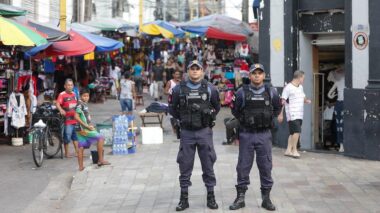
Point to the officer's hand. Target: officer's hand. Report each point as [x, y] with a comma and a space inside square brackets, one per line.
[280, 118]
[308, 101]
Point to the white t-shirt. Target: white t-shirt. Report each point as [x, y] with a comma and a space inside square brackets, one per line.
[339, 80]
[172, 85]
[296, 96]
[165, 55]
[126, 89]
[115, 73]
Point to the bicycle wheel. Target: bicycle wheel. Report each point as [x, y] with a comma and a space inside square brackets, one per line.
[37, 148]
[52, 143]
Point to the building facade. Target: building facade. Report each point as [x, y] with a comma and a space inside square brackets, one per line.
[318, 37]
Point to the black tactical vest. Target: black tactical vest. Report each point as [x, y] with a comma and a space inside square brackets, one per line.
[257, 112]
[194, 107]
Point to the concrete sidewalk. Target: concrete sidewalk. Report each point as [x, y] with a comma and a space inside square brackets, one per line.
[147, 181]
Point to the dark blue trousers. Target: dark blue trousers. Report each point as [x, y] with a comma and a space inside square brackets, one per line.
[191, 141]
[261, 144]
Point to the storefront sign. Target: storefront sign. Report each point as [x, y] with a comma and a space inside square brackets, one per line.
[360, 40]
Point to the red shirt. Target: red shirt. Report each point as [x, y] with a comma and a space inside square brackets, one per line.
[244, 66]
[68, 102]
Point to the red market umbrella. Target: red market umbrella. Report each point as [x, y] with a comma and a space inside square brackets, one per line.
[78, 45]
[218, 34]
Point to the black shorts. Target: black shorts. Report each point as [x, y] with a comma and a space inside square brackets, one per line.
[295, 126]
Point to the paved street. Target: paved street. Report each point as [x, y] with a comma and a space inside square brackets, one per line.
[147, 181]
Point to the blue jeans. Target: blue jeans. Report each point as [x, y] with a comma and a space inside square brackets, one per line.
[125, 104]
[70, 134]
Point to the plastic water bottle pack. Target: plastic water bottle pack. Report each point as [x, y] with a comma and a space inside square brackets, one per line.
[121, 143]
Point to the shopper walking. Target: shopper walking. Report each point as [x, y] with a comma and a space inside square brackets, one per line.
[138, 72]
[127, 94]
[158, 78]
[293, 98]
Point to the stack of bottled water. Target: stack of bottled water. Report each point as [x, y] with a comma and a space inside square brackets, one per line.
[120, 135]
[107, 134]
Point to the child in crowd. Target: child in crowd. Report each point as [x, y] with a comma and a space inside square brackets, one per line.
[86, 132]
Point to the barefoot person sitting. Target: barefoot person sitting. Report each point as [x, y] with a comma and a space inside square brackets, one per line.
[86, 132]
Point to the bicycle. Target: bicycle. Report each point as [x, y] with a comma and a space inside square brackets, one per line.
[44, 142]
[46, 137]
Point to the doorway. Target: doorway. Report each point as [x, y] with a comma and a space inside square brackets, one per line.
[327, 59]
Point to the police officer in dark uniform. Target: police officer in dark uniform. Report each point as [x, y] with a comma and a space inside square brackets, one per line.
[254, 106]
[195, 103]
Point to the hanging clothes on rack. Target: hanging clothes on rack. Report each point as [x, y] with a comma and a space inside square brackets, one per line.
[17, 110]
[25, 77]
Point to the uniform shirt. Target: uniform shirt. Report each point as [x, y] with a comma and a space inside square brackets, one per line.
[293, 107]
[239, 100]
[174, 97]
[68, 102]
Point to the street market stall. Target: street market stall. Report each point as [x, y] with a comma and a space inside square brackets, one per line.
[17, 85]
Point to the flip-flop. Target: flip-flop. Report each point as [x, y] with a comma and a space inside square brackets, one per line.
[288, 155]
[296, 156]
[104, 163]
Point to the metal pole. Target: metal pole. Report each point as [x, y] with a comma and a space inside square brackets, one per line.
[62, 15]
[198, 9]
[140, 14]
[164, 9]
[178, 19]
[244, 9]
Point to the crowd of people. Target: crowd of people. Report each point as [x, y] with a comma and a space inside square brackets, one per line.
[158, 66]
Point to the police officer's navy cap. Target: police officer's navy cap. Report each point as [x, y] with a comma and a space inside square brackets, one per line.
[256, 67]
[195, 62]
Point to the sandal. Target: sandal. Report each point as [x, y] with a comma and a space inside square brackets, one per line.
[104, 163]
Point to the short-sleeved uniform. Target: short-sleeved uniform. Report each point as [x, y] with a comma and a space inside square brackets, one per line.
[255, 140]
[193, 139]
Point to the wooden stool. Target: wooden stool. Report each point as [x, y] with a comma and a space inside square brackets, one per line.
[139, 100]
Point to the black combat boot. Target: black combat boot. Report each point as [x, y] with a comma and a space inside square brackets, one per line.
[267, 203]
[183, 202]
[211, 203]
[239, 201]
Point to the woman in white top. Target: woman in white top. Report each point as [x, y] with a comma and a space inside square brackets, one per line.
[127, 94]
[168, 91]
[173, 82]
